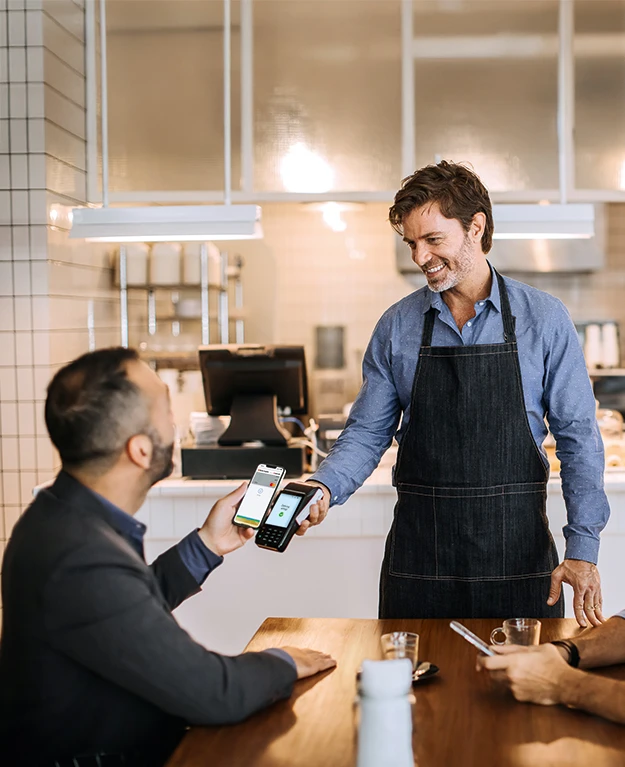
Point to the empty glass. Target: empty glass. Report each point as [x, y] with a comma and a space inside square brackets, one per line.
[520, 631]
[401, 644]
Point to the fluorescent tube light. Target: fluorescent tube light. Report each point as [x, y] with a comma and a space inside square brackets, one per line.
[177, 223]
[544, 222]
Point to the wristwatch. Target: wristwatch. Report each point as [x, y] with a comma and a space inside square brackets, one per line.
[571, 648]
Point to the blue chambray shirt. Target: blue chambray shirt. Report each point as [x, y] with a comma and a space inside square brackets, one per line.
[555, 384]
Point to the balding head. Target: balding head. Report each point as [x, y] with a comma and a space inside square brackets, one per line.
[96, 404]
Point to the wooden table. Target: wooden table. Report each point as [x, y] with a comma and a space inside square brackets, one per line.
[459, 718]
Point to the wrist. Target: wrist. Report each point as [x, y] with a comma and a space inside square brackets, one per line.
[210, 543]
[570, 687]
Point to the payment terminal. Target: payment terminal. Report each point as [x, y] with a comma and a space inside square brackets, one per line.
[289, 510]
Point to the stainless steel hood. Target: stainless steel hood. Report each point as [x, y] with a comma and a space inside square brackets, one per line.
[533, 255]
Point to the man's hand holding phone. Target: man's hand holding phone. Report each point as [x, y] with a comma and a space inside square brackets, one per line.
[318, 512]
[218, 532]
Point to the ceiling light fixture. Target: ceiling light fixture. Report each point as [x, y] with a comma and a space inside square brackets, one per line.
[174, 223]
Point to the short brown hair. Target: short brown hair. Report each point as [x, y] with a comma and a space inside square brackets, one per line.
[458, 191]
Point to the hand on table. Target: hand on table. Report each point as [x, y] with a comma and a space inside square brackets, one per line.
[586, 583]
[218, 532]
[535, 674]
[318, 512]
[309, 662]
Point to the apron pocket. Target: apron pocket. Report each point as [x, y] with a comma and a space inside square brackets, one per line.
[413, 537]
[530, 549]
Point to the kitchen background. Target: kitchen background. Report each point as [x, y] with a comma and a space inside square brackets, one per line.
[327, 125]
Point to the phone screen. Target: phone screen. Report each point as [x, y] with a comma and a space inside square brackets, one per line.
[283, 510]
[258, 495]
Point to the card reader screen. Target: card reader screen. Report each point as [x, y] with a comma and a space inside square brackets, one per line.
[283, 510]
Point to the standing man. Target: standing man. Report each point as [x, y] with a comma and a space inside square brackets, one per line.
[474, 363]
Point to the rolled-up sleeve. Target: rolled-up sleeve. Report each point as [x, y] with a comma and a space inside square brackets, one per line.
[371, 424]
[571, 414]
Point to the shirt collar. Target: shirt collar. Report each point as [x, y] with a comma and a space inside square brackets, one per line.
[435, 300]
[126, 524]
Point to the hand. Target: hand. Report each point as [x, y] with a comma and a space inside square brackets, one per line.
[537, 674]
[586, 583]
[318, 512]
[218, 532]
[309, 662]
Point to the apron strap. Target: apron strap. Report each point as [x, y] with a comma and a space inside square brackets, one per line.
[509, 321]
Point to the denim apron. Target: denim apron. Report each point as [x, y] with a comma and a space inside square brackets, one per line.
[470, 536]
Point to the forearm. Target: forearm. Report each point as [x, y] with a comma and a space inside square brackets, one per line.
[603, 645]
[595, 694]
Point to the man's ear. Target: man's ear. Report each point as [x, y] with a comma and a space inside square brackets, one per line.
[139, 450]
[477, 226]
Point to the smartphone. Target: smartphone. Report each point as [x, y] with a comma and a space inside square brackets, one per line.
[258, 496]
[472, 638]
[290, 509]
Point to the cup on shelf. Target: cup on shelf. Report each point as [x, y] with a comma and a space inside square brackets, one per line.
[165, 263]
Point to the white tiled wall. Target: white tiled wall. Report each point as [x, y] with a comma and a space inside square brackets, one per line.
[50, 286]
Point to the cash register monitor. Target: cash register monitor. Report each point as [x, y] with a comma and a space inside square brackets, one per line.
[249, 383]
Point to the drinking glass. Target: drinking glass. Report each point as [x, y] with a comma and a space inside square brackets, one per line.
[401, 644]
[520, 631]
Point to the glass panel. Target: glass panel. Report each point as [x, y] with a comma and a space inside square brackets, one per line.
[166, 94]
[600, 94]
[327, 95]
[486, 83]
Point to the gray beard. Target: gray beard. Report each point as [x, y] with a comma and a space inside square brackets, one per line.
[464, 264]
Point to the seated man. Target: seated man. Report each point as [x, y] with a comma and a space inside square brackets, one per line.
[550, 673]
[91, 659]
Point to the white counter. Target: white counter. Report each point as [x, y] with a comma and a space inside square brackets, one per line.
[333, 570]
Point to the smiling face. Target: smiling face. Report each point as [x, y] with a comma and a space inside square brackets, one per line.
[447, 255]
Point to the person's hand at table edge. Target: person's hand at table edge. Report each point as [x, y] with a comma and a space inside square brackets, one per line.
[309, 662]
[586, 582]
[218, 533]
[318, 512]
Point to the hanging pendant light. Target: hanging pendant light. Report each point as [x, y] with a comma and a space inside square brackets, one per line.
[175, 223]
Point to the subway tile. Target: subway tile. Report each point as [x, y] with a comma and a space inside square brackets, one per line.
[8, 388]
[41, 349]
[7, 348]
[6, 279]
[21, 249]
[26, 427]
[19, 171]
[16, 27]
[7, 318]
[63, 44]
[36, 135]
[38, 207]
[65, 146]
[4, 36]
[65, 179]
[38, 279]
[70, 16]
[11, 515]
[28, 452]
[19, 207]
[41, 377]
[23, 310]
[4, 65]
[41, 313]
[4, 100]
[22, 286]
[5, 171]
[34, 62]
[6, 247]
[8, 428]
[28, 482]
[18, 135]
[64, 113]
[10, 487]
[38, 242]
[34, 28]
[40, 421]
[37, 171]
[17, 65]
[36, 100]
[4, 131]
[17, 100]
[45, 459]
[63, 78]
[5, 212]
[23, 354]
